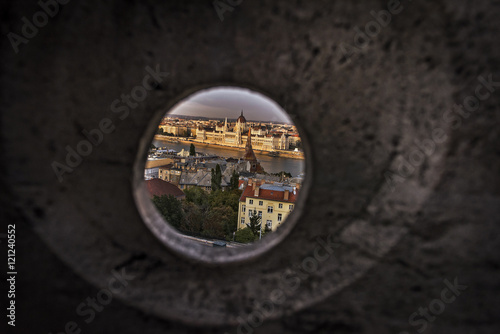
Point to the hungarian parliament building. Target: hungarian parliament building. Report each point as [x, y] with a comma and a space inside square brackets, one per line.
[236, 136]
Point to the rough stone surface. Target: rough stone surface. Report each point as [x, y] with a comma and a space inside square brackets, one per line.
[361, 115]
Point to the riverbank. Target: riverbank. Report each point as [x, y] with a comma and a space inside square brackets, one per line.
[271, 164]
[281, 153]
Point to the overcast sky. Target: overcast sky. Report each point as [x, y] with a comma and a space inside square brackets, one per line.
[228, 102]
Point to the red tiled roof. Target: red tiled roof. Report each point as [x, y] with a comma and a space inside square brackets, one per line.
[159, 187]
[267, 194]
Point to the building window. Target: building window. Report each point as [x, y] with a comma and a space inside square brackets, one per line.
[290, 207]
[261, 203]
[243, 208]
[269, 224]
[281, 206]
[269, 209]
[250, 201]
[260, 214]
[242, 220]
[250, 213]
[280, 217]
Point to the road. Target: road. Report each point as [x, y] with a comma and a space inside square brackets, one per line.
[209, 243]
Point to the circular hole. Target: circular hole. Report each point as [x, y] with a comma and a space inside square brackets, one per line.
[221, 178]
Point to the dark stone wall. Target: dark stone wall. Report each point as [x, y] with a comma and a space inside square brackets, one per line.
[402, 222]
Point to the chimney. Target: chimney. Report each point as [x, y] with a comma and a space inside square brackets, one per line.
[256, 193]
[287, 193]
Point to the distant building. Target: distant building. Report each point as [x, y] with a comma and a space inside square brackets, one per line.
[151, 173]
[201, 179]
[177, 130]
[273, 202]
[190, 172]
[170, 173]
[254, 165]
[237, 136]
[151, 170]
[157, 187]
[184, 153]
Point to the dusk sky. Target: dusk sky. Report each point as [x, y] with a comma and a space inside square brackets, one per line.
[228, 102]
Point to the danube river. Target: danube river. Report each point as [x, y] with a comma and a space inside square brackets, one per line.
[270, 164]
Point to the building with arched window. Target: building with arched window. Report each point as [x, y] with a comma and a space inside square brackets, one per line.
[272, 202]
[236, 135]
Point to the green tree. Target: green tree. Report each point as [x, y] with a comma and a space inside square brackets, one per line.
[198, 197]
[170, 208]
[192, 150]
[194, 218]
[244, 235]
[221, 198]
[216, 178]
[235, 180]
[230, 225]
[218, 220]
[229, 201]
[255, 224]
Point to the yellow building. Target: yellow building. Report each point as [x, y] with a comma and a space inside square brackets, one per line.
[170, 173]
[272, 202]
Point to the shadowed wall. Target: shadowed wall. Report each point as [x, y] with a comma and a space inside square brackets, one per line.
[404, 221]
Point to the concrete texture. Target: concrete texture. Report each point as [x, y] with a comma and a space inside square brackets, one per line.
[360, 115]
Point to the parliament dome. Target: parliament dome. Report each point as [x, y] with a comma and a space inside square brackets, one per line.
[242, 118]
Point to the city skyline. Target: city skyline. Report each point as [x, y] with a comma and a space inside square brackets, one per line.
[222, 102]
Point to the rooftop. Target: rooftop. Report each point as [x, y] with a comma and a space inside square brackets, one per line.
[158, 187]
[270, 192]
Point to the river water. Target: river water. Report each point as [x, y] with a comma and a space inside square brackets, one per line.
[270, 164]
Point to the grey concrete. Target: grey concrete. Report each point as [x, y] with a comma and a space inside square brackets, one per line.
[360, 115]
